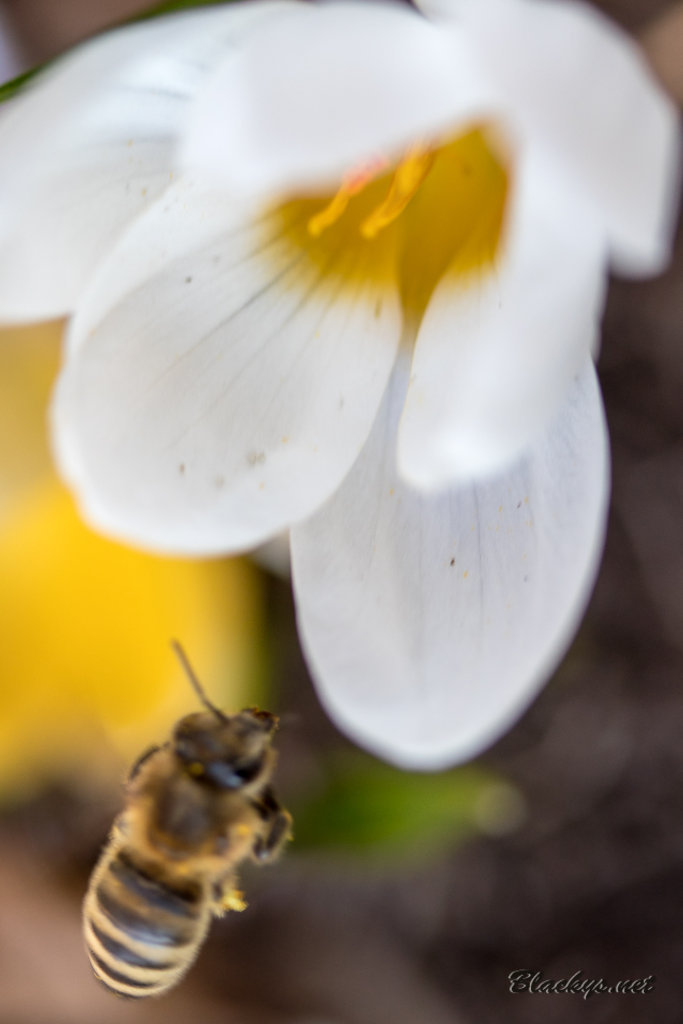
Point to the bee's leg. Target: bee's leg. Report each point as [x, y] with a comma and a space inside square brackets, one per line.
[277, 827]
[139, 763]
[225, 896]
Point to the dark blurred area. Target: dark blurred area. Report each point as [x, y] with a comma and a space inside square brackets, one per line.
[589, 876]
[47, 28]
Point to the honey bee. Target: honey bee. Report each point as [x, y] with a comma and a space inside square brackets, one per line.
[195, 808]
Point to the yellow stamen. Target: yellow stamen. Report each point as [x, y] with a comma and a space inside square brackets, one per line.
[330, 214]
[408, 177]
[352, 184]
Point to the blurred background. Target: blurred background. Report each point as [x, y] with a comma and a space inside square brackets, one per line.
[404, 897]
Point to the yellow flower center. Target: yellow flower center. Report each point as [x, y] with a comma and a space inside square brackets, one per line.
[440, 210]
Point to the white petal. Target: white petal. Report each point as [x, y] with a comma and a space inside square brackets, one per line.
[219, 383]
[582, 86]
[90, 144]
[430, 624]
[324, 87]
[496, 352]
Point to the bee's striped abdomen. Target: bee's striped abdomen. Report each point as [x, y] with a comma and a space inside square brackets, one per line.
[141, 933]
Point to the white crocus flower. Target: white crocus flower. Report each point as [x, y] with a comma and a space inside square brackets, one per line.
[339, 268]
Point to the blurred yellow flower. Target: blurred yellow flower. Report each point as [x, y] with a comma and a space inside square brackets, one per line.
[87, 674]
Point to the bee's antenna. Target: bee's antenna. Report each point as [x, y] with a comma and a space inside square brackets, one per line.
[196, 685]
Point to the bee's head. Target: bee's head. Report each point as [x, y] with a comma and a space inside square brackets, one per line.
[228, 753]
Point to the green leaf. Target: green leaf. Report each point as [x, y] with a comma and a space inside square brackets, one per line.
[8, 89]
[15, 85]
[365, 808]
[175, 5]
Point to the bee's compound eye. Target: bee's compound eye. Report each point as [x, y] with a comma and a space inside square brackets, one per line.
[227, 775]
[223, 775]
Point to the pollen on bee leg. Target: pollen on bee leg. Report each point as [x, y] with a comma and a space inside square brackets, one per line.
[233, 899]
[226, 897]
